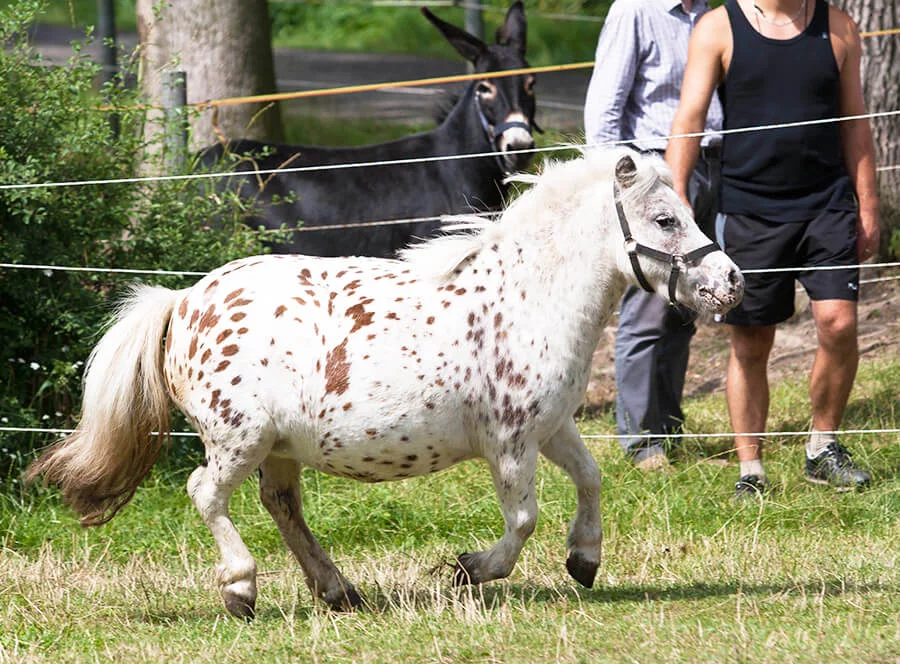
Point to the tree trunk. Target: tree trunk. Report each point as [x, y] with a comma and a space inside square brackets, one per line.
[881, 90]
[225, 48]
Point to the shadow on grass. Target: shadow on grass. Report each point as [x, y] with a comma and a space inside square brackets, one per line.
[492, 597]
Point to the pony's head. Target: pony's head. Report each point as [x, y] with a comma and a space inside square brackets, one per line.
[659, 246]
[505, 105]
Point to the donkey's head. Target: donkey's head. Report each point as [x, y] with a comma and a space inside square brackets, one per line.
[661, 249]
[505, 105]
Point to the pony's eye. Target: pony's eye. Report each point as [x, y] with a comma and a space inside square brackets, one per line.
[665, 220]
[529, 85]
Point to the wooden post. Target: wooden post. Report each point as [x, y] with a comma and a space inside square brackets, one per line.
[474, 23]
[106, 30]
[174, 101]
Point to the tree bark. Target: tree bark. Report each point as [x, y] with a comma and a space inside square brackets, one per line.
[881, 90]
[225, 48]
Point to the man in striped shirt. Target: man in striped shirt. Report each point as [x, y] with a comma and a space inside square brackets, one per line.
[632, 97]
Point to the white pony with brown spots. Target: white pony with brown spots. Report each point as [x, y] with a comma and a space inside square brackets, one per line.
[473, 345]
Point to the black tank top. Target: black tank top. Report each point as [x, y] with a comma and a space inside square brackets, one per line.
[793, 173]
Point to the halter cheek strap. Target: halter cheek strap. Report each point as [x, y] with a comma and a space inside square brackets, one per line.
[678, 262]
[494, 133]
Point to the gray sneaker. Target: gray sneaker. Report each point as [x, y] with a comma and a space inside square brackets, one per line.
[749, 487]
[834, 467]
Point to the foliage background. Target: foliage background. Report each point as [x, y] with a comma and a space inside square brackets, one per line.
[52, 129]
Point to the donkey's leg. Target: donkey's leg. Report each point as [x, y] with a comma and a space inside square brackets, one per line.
[210, 487]
[513, 473]
[279, 490]
[566, 449]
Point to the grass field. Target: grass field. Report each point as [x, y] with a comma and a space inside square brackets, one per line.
[806, 575]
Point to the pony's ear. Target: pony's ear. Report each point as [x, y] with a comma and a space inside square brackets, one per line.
[626, 171]
[468, 46]
[514, 30]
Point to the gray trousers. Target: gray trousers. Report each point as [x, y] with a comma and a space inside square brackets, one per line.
[653, 343]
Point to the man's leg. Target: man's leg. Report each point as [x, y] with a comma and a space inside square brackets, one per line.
[747, 393]
[837, 358]
[833, 373]
[648, 398]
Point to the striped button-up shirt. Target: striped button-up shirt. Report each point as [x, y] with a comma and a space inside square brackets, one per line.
[638, 70]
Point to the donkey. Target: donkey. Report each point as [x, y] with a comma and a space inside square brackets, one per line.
[472, 345]
[491, 115]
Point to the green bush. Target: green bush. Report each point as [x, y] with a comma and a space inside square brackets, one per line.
[53, 129]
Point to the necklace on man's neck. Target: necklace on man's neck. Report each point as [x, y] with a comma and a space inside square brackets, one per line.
[760, 14]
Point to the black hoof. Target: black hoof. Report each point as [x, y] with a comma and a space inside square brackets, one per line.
[462, 575]
[581, 569]
[239, 608]
[347, 600]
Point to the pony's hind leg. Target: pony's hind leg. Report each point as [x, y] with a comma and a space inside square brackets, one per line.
[279, 490]
[513, 474]
[210, 487]
[567, 450]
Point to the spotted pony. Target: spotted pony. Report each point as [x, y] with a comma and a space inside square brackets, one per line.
[476, 344]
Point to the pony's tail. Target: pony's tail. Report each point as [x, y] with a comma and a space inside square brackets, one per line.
[124, 412]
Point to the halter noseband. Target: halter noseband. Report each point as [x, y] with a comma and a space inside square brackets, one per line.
[678, 261]
[493, 133]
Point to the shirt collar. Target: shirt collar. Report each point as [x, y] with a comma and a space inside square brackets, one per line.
[673, 4]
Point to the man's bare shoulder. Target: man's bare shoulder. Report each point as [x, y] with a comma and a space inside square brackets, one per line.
[845, 38]
[842, 26]
[713, 30]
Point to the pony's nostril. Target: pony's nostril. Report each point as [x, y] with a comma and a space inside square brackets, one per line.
[734, 277]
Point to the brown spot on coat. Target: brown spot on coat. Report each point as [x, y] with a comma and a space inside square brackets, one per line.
[337, 369]
[223, 335]
[280, 310]
[360, 316]
[230, 350]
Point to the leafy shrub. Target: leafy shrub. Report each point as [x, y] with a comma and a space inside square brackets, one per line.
[52, 129]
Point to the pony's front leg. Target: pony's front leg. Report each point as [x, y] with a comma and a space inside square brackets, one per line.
[567, 450]
[279, 490]
[210, 487]
[513, 472]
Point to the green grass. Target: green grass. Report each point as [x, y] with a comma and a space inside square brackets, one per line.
[807, 575]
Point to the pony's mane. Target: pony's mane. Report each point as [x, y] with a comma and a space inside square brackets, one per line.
[558, 181]
[445, 255]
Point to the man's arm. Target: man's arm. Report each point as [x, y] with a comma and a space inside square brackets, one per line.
[856, 135]
[710, 40]
[615, 67]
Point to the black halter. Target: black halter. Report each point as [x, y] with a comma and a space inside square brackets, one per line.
[677, 261]
[493, 133]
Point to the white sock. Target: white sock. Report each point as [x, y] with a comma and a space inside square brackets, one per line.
[818, 441]
[754, 467]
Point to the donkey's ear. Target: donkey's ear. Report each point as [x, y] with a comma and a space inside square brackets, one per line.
[626, 171]
[514, 30]
[468, 46]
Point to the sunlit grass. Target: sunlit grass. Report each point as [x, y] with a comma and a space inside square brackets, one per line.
[805, 575]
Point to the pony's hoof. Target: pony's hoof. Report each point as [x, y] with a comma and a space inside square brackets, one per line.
[581, 569]
[239, 607]
[464, 573]
[346, 599]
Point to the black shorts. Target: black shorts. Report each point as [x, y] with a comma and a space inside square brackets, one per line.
[754, 243]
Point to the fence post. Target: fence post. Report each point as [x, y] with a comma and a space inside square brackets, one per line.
[474, 24]
[106, 30]
[174, 101]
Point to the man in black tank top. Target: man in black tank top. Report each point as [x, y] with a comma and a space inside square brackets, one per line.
[794, 196]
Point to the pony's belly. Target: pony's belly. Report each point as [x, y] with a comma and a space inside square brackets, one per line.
[373, 458]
